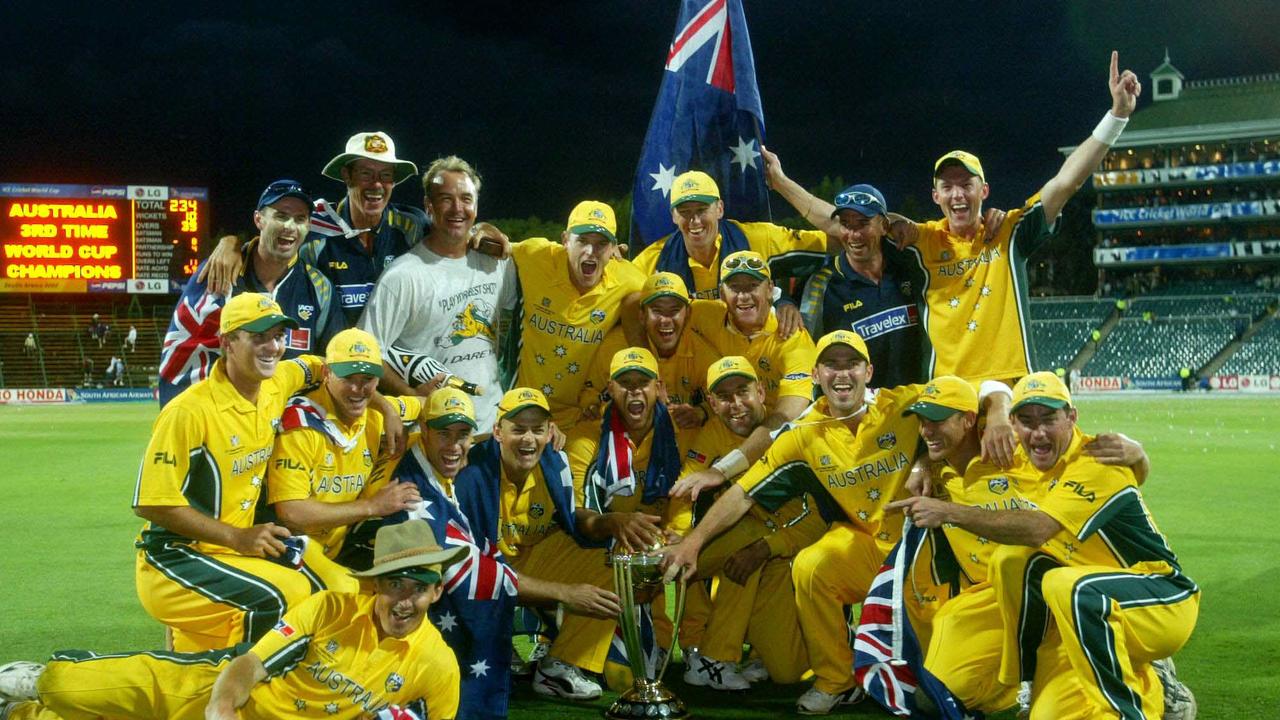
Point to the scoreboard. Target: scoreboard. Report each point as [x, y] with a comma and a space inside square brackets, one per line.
[100, 238]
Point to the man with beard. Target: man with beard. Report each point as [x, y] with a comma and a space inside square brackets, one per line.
[272, 268]
[440, 300]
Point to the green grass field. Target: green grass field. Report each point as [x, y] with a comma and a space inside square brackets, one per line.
[66, 543]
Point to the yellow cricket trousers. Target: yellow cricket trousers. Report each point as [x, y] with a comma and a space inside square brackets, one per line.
[215, 600]
[580, 641]
[965, 646]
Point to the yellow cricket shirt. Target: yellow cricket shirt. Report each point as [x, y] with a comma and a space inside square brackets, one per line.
[309, 464]
[784, 366]
[583, 446]
[1104, 518]
[795, 525]
[852, 474]
[210, 447]
[525, 512]
[780, 246]
[325, 660]
[684, 375]
[561, 329]
[976, 295]
[985, 485]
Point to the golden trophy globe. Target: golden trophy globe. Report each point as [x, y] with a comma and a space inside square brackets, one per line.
[648, 698]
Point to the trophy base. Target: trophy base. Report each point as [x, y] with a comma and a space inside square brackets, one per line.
[647, 700]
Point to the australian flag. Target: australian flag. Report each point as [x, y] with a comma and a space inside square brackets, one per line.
[887, 659]
[708, 117]
[475, 612]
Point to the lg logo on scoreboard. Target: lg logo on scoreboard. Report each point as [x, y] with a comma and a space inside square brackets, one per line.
[151, 286]
[148, 192]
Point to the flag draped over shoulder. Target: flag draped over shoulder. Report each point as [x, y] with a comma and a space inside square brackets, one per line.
[887, 659]
[708, 117]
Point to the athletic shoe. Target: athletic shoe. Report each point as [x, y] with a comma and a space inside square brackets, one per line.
[523, 668]
[556, 679]
[816, 702]
[1179, 702]
[18, 680]
[754, 671]
[717, 675]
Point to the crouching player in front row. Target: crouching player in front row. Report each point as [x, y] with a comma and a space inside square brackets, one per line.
[336, 655]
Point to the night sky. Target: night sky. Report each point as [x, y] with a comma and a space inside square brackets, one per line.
[550, 100]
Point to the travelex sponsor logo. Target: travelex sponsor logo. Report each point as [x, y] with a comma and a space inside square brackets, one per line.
[354, 296]
[586, 336]
[887, 321]
[998, 485]
[868, 471]
[796, 376]
[960, 267]
[345, 687]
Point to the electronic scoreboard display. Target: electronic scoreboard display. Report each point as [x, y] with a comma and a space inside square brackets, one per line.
[100, 238]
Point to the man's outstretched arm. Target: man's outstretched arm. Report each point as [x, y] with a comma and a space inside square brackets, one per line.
[1082, 161]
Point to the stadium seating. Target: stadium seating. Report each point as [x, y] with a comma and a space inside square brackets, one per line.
[1162, 346]
[1260, 355]
[1072, 308]
[1057, 341]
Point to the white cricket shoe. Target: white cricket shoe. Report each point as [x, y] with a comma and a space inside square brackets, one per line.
[754, 671]
[1179, 702]
[817, 702]
[557, 679]
[18, 680]
[715, 674]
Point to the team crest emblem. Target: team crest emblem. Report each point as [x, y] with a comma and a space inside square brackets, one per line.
[235, 441]
[597, 316]
[360, 348]
[386, 261]
[946, 254]
[824, 460]
[374, 144]
[453, 402]
[394, 682]
[305, 312]
[597, 214]
[906, 288]
[887, 440]
[1035, 385]
[536, 510]
[368, 458]
[764, 363]
[264, 303]
[331, 647]
[689, 184]
[930, 390]
[998, 485]
[277, 425]
[328, 458]
[546, 302]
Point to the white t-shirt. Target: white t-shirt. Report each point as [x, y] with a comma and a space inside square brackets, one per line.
[446, 308]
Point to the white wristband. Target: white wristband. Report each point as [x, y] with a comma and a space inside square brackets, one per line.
[1109, 129]
[992, 387]
[733, 464]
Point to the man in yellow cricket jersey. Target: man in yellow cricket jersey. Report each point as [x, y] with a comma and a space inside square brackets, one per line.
[348, 656]
[851, 451]
[965, 647]
[704, 239]
[571, 295]
[1095, 595]
[744, 323]
[204, 568]
[323, 464]
[754, 601]
[683, 357]
[976, 288]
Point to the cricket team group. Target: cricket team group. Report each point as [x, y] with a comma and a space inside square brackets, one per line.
[393, 439]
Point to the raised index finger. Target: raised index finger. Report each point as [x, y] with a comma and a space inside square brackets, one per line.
[1115, 66]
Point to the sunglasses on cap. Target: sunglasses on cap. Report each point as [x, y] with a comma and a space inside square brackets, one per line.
[284, 187]
[751, 263]
[858, 197]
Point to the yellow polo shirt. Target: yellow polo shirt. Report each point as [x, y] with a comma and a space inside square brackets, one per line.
[976, 315]
[210, 447]
[309, 464]
[325, 660]
[779, 245]
[561, 329]
[525, 512]
[985, 485]
[795, 525]
[852, 474]
[785, 367]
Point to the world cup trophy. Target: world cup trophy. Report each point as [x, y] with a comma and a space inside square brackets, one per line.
[648, 698]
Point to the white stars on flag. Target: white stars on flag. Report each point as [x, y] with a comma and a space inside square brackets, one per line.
[745, 153]
[663, 179]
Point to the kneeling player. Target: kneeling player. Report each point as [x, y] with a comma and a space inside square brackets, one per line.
[338, 655]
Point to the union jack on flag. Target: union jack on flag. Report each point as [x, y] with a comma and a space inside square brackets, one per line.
[887, 660]
[191, 343]
[481, 575]
[708, 117]
[325, 220]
